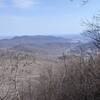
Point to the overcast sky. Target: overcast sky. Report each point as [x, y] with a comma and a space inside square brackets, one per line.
[47, 17]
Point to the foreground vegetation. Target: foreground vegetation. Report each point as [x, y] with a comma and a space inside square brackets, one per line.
[73, 78]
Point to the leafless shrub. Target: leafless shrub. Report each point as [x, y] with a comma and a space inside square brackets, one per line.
[76, 81]
[76, 78]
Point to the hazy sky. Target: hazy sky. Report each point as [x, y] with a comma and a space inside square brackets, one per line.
[20, 17]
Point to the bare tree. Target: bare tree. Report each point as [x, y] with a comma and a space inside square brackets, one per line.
[93, 30]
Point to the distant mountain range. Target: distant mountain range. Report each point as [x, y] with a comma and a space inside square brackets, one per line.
[39, 40]
[49, 45]
[9, 41]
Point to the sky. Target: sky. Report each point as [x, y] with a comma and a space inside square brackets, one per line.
[45, 17]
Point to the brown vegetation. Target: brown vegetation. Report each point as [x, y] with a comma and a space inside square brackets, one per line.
[70, 78]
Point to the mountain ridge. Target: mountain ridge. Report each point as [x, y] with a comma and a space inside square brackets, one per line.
[38, 39]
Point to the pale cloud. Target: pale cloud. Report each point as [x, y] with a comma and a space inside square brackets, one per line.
[21, 4]
[24, 4]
